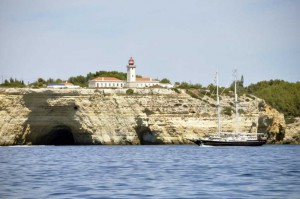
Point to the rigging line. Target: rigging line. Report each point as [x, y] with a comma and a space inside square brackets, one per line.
[208, 88]
[227, 85]
[206, 91]
[213, 92]
[215, 88]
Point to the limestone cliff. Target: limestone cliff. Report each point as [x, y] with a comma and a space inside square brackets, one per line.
[271, 122]
[292, 135]
[110, 116]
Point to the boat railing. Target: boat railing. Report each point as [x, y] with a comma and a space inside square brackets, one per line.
[242, 135]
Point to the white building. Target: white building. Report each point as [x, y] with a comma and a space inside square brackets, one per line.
[131, 82]
[107, 82]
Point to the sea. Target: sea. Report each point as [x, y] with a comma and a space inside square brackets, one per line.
[159, 171]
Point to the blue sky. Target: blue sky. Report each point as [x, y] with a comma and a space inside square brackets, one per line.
[182, 40]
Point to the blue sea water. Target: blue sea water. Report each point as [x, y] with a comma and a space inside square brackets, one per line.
[271, 171]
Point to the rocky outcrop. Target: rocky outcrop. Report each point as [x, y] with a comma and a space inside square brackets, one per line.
[110, 116]
[271, 122]
[292, 132]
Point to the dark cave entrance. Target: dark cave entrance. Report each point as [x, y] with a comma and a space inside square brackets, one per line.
[59, 135]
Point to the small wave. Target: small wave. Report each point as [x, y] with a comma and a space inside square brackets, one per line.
[206, 146]
[27, 146]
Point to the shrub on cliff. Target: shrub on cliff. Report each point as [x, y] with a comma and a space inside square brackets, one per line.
[227, 110]
[176, 90]
[129, 91]
[289, 119]
[241, 111]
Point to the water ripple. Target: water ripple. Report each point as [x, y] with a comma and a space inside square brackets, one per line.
[150, 172]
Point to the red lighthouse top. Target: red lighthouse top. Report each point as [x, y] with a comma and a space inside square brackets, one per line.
[131, 61]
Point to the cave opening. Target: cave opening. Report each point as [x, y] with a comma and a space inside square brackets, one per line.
[59, 135]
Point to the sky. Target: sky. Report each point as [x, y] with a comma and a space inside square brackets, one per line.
[181, 40]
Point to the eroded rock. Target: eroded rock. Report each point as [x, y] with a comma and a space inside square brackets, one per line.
[110, 116]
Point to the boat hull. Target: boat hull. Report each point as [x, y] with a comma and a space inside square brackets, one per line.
[229, 143]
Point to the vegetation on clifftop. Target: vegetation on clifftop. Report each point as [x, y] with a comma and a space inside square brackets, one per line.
[13, 83]
[282, 95]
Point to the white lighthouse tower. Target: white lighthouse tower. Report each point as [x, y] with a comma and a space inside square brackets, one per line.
[131, 75]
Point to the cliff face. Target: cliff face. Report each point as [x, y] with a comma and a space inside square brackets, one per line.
[110, 116]
[292, 135]
[272, 123]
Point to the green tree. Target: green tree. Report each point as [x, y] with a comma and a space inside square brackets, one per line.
[78, 80]
[242, 81]
[185, 85]
[39, 83]
[58, 81]
[41, 80]
[239, 87]
[13, 83]
[50, 81]
[165, 81]
[284, 96]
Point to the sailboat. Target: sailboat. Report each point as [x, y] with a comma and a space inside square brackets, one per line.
[230, 138]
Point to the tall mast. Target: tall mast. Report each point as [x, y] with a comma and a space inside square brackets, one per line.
[218, 104]
[236, 102]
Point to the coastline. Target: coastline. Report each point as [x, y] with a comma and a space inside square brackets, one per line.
[112, 117]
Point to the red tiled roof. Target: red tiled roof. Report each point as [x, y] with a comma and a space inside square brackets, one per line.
[145, 79]
[138, 79]
[106, 79]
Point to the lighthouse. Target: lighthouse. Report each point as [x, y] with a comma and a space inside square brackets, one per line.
[131, 82]
[131, 74]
